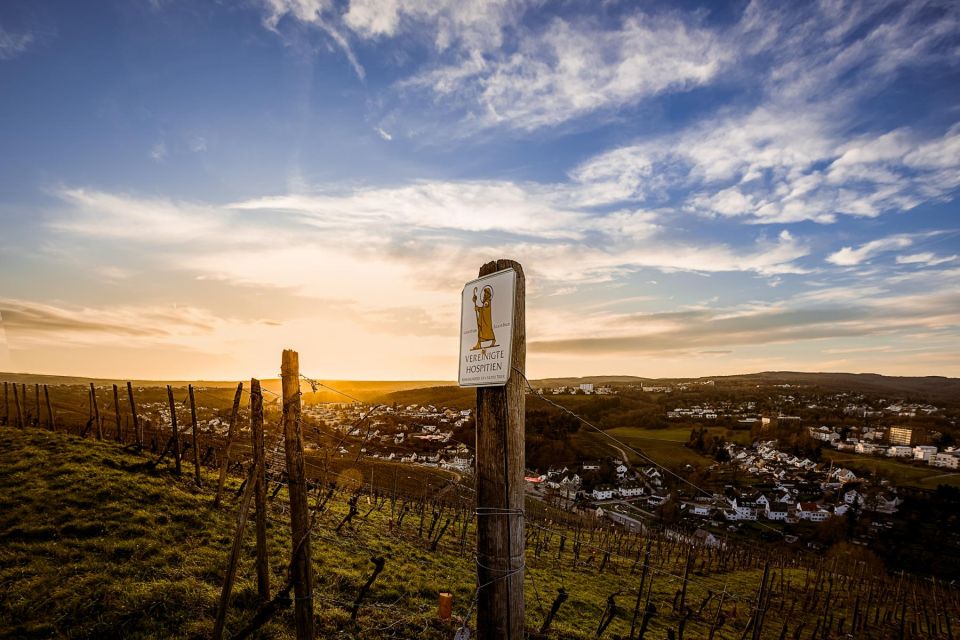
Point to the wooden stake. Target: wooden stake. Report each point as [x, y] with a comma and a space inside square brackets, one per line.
[299, 518]
[137, 428]
[116, 412]
[6, 404]
[16, 402]
[173, 425]
[231, 433]
[260, 476]
[36, 396]
[234, 559]
[96, 412]
[52, 421]
[500, 464]
[196, 438]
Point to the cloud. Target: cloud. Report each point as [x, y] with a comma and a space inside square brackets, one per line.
[572, 68]
[14, 44]
[159, 151]
[849, 256]
[926, 258]
[312, 13]
[30, 322]
[383, 134]
[891, 317]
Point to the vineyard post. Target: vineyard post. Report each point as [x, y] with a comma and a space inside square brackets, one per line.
[36, 397]
[46, 395]
[196, 439]
[500, 492]
[299, 518]
[260, 476]
[6, 403]
[231, 434]
[233, 560]
[16, 402]
[116, 412]
[96, 411]
[173, 426]
[137, 430]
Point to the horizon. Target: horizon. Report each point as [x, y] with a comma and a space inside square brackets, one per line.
[693, 191]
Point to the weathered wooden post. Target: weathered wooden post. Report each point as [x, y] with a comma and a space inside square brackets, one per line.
[301, 561]
[96, 412]
[234, 559]
[116, 412]
[137, 429]
[260, 478]
[173, 426]
[231, 434]
[36, 397]
[196, 437]
[16, 402]
[493, 358]
[46, 395]
[6, 404]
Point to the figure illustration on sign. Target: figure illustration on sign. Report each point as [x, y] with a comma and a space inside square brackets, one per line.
[484, 313]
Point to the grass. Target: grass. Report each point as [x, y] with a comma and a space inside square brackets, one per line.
[665, 446]
[900, 473]
[93, 543]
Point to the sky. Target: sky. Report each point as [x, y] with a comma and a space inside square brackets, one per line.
[693, 189]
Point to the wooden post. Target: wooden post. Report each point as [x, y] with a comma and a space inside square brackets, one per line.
[173, 426]
[96, 412]
[231, 434]
[6, 403]
[137, 429]
[260, 476]
[500, 465]
[116, 412]
[36, 396]
[196, 438]
[52, 421]
[232, 562]
[299, 518]
[16, 402]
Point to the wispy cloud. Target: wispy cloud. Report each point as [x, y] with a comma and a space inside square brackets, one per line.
[14, 44]
[853, 256]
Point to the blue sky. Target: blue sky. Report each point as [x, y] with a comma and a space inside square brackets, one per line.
[692, 188]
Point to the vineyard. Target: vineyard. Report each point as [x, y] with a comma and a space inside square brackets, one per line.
[122, 516]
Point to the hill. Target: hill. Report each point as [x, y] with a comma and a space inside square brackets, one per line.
[95, 541]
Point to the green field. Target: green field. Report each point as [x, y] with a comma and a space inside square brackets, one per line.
[96, 543]
[900, 473]
[665, 446]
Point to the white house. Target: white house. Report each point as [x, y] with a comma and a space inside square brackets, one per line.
[621, 469]
[900, 451]
[778, 511]
[603, 492]
[853, 496]
[812, 512]
[924, 452]
[945, 459]
[631, 490]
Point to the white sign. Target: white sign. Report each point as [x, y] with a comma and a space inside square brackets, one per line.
[486, 330]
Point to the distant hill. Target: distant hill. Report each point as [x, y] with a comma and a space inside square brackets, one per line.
[930, 388]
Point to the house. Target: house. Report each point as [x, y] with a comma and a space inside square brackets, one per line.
[631, 490]
[867, 448]
[705, 538]
[900, 451]
[591, 465]
[621, 469]
[885, 502]
[745, 510]
[924, 452]
[603, 492]
[853, 497]
[811, 511]
[778, 511]
[945, 459]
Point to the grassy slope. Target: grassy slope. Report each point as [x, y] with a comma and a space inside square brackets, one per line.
[900, 473]
[94, 545]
